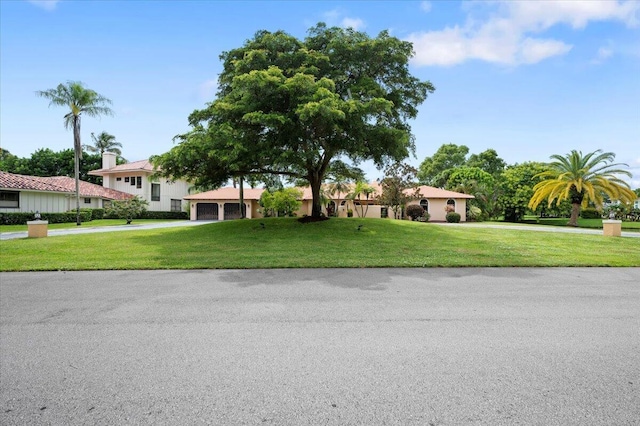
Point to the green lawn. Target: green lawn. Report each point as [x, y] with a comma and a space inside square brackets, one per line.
[92, 224]
[286, 243]
[588, 223]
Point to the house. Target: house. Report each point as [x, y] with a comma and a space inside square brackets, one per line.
[221, 204]
[136, 179]
[57, 194]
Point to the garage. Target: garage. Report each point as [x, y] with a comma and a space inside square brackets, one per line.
[231, 211]
[207, 211]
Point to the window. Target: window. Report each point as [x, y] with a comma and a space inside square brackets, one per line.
[119, 179]
[384, 212]
[451, 205]
[87, 200]
[425, 205]
[155, 192]
[133, 180]
[139, 183]
[9, 199]
[176, 205]
[126, 179]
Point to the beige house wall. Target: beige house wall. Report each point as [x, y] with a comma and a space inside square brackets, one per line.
[252, 208]
[168, 190]
[437, 208]
[49, 202]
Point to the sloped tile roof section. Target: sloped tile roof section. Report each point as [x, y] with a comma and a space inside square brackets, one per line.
[63, 184]
[136, 166]
[230, 193]
[227, 193]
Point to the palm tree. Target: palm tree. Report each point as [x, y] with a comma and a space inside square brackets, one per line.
[580, 179]
[362, 188]
[338, 186]
[79, 100]
[104, 142]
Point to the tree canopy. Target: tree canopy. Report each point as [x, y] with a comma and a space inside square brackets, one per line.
[290, 107]
[45, 162]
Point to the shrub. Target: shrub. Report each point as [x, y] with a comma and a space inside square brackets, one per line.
[164, 215]
[97, 214]
[414, 211]
[453, 217]
[128, 209]
[23, 218]
[590, 213]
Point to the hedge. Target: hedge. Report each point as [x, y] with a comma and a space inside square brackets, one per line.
[23, 218]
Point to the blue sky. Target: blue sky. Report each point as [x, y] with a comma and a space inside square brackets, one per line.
[528, 79]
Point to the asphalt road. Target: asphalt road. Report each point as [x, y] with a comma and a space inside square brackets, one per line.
[558, 346]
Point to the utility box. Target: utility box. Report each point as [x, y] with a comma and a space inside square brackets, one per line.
[612, 228]
[38, 228]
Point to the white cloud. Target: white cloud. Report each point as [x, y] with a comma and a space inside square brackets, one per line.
[425, 6]
[603, 54]
[338, 17]
[354, 23]
[45, 4]
[506, 36]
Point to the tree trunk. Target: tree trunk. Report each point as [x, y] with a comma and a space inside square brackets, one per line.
[575, 212]
[316, 207]
[243, 210]
[78, 154]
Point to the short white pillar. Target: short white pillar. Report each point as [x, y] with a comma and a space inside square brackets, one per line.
[37, 228]
[612, 228]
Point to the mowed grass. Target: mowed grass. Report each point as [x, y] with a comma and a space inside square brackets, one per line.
[91, 224]
[588, 223]
[286, 243]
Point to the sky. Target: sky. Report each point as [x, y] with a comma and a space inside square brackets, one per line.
[528, 79]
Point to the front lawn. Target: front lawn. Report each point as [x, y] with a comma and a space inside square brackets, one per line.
[92, 224]
[286, 243]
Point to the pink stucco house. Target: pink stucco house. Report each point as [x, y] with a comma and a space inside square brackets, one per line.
[223, 204]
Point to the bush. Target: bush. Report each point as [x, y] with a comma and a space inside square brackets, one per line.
[128, 209]
[97, 214]
[590, 213]
[453, 217]
[164, 215]
[414, 211]
[23, 218]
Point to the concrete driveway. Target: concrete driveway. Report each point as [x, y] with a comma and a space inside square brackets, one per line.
[483, 346]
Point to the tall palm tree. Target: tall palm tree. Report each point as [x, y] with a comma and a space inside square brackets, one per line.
[79, 100]
[338, 186]
[580, 179]
[104, 142]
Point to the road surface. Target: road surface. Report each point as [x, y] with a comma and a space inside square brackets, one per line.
[462, 346]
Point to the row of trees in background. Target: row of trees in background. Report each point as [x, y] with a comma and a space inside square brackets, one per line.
[46, 162]
[566, 185]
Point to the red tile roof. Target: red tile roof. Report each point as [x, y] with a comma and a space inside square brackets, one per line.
[141, 165]
[230, 193]
[62, 184]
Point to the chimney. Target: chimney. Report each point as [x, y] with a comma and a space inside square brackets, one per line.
[108, 160]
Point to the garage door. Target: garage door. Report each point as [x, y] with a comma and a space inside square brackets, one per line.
[207, 211]
[231, 211]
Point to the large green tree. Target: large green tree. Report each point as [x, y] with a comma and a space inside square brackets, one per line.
[516, 189]
[435, 170]
[79, 100]
[289, 107]
[582, 178]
